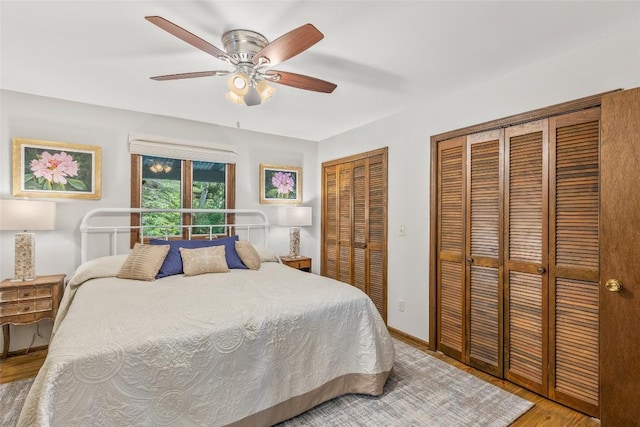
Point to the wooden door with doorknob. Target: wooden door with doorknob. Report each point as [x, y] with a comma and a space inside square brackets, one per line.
[619, 266]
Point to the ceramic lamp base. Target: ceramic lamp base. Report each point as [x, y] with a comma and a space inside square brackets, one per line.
[294, 242]
[25, 256]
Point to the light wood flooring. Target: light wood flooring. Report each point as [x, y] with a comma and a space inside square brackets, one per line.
[544, 413]
[21, 366]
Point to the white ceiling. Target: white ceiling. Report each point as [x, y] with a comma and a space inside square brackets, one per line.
[385, 56]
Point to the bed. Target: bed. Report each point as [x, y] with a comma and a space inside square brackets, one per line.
[245, 347]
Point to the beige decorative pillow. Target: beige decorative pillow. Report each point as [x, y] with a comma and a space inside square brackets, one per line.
[144, 262]
[266, 254]
[248, 254]
[204, 260]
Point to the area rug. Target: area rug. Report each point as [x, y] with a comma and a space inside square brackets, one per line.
[423, 391]
[12, 396]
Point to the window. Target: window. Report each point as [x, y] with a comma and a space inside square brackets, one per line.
[167, 183]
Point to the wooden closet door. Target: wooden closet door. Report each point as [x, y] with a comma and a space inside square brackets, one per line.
[574, 144]
[336, 222]
[526, 255]
[620, 252]
[360, 226]
[483, 250]
[375, 229]
[354, 225]
[344, 218]
[329, 265]
[450, 227]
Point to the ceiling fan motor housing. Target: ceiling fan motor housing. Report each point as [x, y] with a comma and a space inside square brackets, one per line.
[243, 45]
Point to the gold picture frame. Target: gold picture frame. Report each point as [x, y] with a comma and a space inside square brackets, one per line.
[280, 184]
[56, 169]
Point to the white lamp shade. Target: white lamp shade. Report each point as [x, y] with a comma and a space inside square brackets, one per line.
[27, 215]
[298, 216]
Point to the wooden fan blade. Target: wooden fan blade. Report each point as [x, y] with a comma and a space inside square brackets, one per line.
[301, 82]
[188, 37]
[289, 45]
[190, 75]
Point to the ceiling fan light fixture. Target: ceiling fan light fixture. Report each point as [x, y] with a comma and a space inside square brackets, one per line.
[236, 99]
[265, 90]
[157, 167]
[238, 83]
[253, 97]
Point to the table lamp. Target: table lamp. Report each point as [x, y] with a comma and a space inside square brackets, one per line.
[26, 215]
[294, 217]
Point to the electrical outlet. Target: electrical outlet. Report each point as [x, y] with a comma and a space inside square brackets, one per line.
[401, 305]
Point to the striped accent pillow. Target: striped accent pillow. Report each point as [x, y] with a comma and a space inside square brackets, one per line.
[144, 262]
[248, 254]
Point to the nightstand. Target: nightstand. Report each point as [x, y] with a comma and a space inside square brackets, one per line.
[301, 263]
[24, 302]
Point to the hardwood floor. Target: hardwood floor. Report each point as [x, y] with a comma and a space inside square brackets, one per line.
[22, 366]
[544, 413]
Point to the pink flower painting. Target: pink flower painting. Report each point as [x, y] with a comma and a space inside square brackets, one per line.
[283, 182]
[54, 168]
[280, 184]
[62, 170]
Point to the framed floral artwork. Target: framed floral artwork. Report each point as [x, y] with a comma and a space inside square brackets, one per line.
[56, 169]
[280, 184]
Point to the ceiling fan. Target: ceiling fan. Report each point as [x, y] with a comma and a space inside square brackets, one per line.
[251, 55]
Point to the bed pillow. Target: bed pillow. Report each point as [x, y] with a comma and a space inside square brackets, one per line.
[248, 254]
[144, 261]
[266, 254]
[210, 259]
[173, 262]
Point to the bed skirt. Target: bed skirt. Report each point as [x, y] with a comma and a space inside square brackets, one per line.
[371, 384]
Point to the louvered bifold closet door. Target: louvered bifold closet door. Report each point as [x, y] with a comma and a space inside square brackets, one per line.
[376, 232]
[336, 222]
[344, 204]
[451, 248]
[329, 266]
[355, 223]
[526, 255]
[360, 226]
[574, 142]
[483, 252]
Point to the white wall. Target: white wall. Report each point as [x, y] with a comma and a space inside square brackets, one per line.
[608, 64]
[34, 117]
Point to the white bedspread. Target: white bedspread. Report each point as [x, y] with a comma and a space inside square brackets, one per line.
[204, 350]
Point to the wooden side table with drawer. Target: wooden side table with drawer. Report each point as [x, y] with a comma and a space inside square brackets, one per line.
[24, 302]
[301, 263]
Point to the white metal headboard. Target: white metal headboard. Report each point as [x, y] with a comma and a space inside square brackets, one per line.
[88, 226]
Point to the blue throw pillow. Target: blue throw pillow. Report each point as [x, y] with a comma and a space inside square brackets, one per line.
[173, 262]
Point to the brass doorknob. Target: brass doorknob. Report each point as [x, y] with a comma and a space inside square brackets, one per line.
[613, 285]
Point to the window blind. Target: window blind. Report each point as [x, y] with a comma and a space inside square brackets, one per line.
[159, 146]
